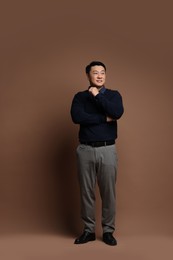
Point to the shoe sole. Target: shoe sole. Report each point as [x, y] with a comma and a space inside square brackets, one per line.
[76, 243]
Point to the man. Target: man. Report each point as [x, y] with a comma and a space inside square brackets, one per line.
[97, 110]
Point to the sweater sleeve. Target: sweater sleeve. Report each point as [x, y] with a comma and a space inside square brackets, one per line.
[113, 107]
[80, 116]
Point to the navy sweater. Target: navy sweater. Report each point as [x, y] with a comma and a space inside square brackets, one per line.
[90, 113]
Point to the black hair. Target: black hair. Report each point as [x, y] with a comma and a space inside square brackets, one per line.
[94, 63]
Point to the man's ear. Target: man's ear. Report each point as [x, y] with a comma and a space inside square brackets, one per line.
[88, 76]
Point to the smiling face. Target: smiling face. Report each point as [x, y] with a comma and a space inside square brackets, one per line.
[97, 76]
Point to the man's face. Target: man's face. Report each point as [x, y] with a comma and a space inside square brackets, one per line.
[97, 76]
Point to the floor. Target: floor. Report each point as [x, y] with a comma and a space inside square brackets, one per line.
[51, 247]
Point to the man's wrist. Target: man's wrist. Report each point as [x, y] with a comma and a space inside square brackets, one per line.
[94, 91]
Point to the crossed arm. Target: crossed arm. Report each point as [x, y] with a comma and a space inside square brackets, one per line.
[113, 109]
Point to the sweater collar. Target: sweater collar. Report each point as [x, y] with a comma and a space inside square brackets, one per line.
[102, 90]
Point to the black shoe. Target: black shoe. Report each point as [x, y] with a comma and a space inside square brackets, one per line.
[109, 239]
[85, 237]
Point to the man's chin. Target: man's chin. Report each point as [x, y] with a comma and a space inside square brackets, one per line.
[97, 86]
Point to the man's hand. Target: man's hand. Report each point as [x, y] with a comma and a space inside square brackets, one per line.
[109, 119]
[94, 91]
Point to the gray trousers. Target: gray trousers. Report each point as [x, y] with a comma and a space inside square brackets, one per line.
[97, 164]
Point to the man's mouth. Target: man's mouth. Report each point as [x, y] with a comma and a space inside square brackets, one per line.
[99, 81]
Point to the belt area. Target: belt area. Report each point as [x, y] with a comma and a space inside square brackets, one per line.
[99, 143]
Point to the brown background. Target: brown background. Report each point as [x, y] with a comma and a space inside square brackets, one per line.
[45, 46]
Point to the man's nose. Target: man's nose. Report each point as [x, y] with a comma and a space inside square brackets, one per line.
[99, 76]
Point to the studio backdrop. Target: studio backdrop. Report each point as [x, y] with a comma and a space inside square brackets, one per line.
[45, 46]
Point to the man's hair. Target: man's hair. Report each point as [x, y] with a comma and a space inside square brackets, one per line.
[94, 63]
